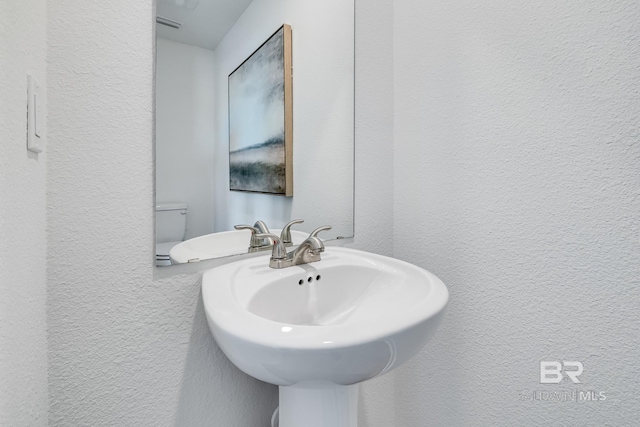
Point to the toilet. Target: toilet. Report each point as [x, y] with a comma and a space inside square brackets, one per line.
[171, 228]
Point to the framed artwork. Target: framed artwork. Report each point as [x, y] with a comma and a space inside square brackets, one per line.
[261, 119]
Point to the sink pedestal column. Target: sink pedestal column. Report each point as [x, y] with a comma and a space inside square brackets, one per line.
[319, 404]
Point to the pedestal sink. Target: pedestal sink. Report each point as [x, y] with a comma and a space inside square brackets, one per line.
[317, 330]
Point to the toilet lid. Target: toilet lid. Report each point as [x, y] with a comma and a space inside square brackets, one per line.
[162, 249]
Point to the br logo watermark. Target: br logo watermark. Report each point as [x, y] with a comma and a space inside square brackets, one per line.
[554, 372]
[551, 372]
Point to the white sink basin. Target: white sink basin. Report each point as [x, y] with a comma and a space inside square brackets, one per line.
[216, 245]
[355, 316]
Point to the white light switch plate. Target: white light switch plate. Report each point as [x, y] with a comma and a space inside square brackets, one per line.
[34, 117]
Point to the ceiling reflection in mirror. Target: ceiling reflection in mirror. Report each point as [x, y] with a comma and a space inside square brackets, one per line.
[199, 44]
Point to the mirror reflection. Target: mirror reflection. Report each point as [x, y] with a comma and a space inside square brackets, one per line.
[291, 142]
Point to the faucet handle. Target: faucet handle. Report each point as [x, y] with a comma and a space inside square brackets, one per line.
[313, 237]
[279, 251]
[315, 232]
[245, 227]
[255, 241]
[315, 244]
[285, 235]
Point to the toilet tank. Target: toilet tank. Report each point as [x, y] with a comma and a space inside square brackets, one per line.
[171, 222]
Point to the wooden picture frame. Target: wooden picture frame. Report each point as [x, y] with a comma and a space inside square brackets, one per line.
[261, 119]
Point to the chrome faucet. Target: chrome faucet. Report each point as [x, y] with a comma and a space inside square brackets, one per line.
[258, 243]
[308, 251]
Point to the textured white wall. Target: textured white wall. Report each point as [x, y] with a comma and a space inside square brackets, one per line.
[23, 345]
[185, 131]
[517, 181]
[125, 349]
[516, 157]
[322, 115]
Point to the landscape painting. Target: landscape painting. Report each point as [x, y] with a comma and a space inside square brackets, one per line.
[260, 119]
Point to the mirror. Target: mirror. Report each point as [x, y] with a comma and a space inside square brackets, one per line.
[199, 46]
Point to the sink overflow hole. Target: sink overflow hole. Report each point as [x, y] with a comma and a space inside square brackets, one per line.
[300, 282]
[310, 279]
[318, 277]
